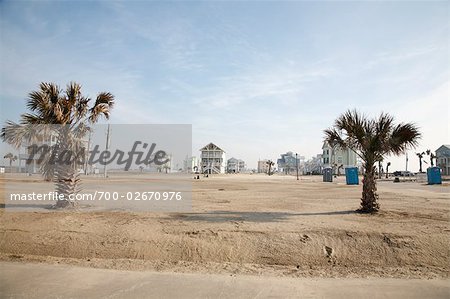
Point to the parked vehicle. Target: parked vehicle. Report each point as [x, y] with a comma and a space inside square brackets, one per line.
[403, 173]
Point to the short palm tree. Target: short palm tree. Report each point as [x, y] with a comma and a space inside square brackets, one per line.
[270, 164]
[420, 155]
[432, 156]
[371, 139]
[65, 115]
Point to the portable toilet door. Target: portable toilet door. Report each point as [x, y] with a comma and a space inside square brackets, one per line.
[351, 176]
[328, 175]
[434, 175]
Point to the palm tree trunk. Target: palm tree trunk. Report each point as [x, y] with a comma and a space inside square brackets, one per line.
[369, 198]
[67, 181]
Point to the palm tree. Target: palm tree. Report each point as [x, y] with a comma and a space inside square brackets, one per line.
[420, 155]
[387, 169]
[339, 169]
[380, 168]
[432, 156]
[65, 115]
[270, 163]
[11, 158]
[166, 168]
[371, 139]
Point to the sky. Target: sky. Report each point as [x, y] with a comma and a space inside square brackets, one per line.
[257, 78]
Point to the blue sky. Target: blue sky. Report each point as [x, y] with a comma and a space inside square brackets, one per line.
[256, 78]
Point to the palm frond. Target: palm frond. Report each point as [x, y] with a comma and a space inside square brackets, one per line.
[81, 108]
[18, 134]
[51, 91]
[103, 105]
[403, 136]
[355, 126]
[80, 130]
[73, 92]
[38, 101]
[28, 118]
[333, 138]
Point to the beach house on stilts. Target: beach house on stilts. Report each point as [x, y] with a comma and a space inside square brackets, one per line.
[212, 159]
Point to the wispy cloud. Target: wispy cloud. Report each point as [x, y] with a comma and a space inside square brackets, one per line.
[277, 85]
[258, 78]
[396, 56]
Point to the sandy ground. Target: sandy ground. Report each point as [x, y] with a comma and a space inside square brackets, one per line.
[249, 224]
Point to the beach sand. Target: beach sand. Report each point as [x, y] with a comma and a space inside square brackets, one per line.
[248, 224]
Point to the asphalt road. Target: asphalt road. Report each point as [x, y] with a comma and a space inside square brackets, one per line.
[27, 280]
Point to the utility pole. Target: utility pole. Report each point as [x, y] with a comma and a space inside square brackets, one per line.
[406, 161]
[296, 163]
[107, 147]
[87, 154]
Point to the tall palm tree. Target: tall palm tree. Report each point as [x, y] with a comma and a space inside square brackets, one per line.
[11, 158]
[371, 139]
[66, 115]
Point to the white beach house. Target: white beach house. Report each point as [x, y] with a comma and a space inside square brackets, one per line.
[337, 158]
[212, 159]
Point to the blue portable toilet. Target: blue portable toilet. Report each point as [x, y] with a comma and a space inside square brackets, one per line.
[328, 175]
[434, 175]
[351, 176]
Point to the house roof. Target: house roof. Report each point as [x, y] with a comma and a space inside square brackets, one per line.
[326, 145]
[233, 159]
[444, 149]
[211, 146]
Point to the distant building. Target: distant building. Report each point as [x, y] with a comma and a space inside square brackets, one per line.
[263, 166]
[337, 158]
[212, 159]
[166, 167]
[235, 165]
[301, 163]
[443, 159]
[190, 164]
[314, 165]
[288, 163]
[30, 161]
